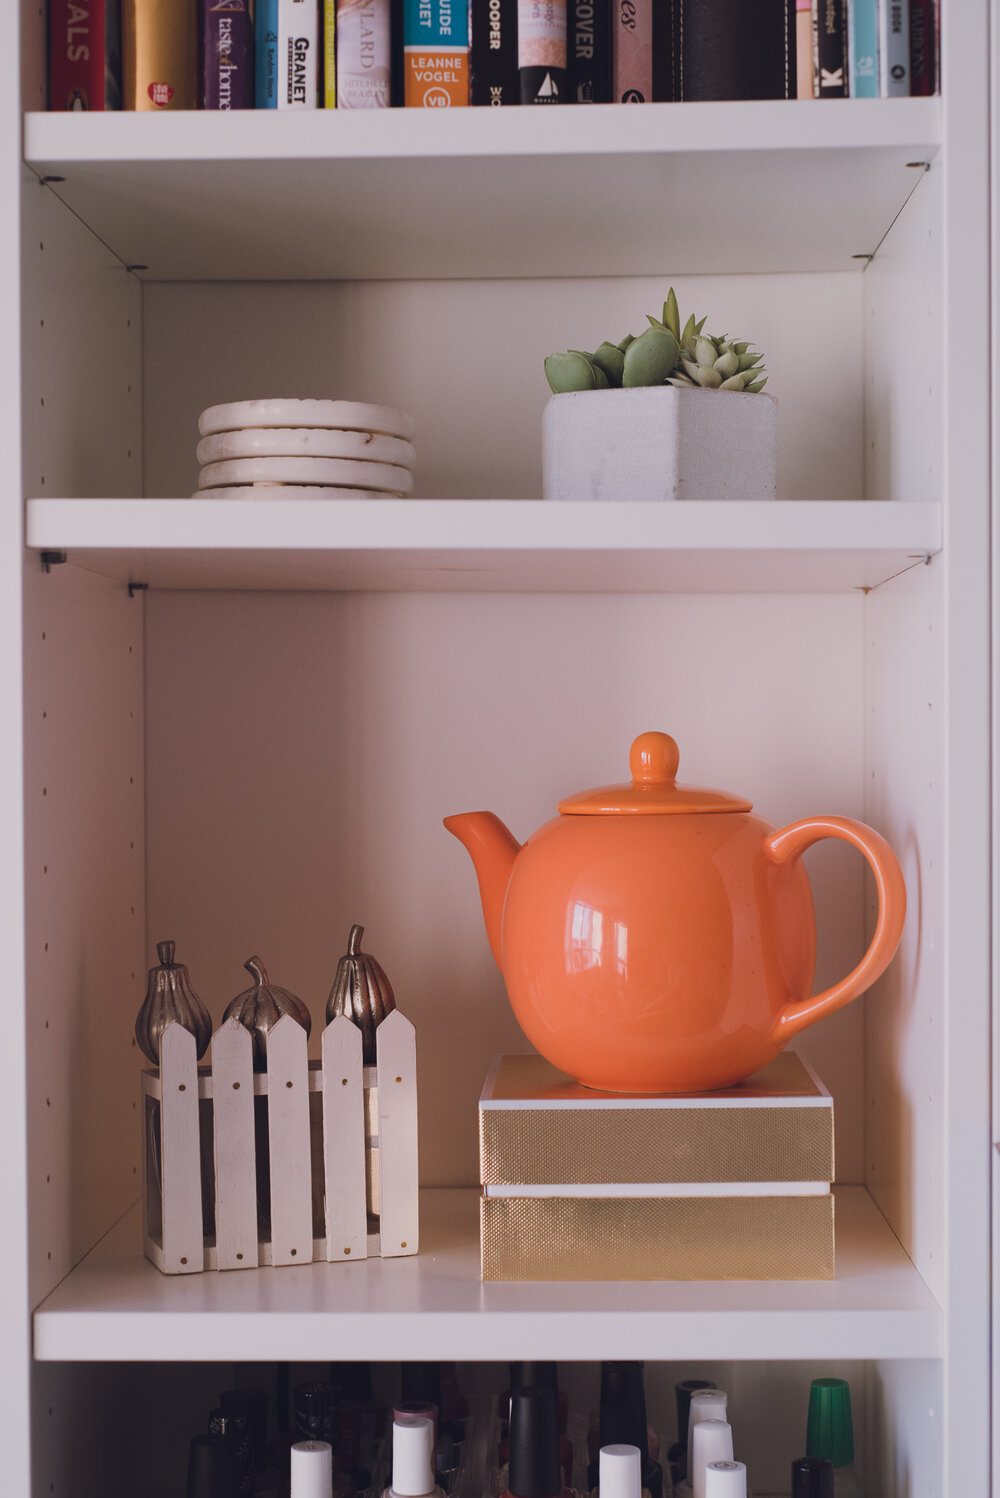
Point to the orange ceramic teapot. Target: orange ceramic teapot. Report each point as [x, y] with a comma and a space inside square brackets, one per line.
[659, 938]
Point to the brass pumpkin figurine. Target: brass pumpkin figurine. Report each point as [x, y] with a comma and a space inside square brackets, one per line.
[260, 1008]
[170, 997]
[362, 991]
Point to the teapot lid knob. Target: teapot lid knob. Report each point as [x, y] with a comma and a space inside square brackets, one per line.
[653, 759]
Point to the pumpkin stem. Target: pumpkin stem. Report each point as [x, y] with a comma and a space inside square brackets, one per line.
[256, 969]
[354, 940]
[165, 952]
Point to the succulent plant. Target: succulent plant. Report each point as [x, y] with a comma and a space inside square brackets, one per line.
[664, 354]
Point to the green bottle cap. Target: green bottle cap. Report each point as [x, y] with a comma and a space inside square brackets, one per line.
[830, 1433]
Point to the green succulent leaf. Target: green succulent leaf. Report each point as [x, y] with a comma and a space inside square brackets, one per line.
[699, 325]
[572, 371]
[651, 359]
[710, 379]
[757, 385]
[611, 359]
[629, 338]
[735, 382]
[671, 314]
[727, 364]
[705, 352]
[688, 336]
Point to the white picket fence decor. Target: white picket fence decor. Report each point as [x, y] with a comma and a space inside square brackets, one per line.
[306, 1161]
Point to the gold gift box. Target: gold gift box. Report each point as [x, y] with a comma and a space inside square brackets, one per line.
[582, 1185]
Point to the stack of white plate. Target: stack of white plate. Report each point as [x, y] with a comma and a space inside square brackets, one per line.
[305, 449]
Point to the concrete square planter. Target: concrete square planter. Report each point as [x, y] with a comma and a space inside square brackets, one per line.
[658, 442]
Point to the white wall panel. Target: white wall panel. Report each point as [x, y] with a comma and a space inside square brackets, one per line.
[466, 359]
[302, 750]
[85, 937]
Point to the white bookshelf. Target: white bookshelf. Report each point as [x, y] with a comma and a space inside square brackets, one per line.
[258, 749]
[115, 1306]
[192, 197]
[490, 545]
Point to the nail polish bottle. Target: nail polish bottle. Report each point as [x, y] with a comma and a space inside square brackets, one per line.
[677, 1455]
[412, 1459]
[830, 1433]
[711, 1441]
[619, 1472]
[535, 1470]
[544, 1375]
[812, 1477]
[706, 1404]
[210, 1469]
[726, 1480]
[622, 1421]
[311, 1469]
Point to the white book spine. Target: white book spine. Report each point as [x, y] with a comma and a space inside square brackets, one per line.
[298, 54]
[894, 47]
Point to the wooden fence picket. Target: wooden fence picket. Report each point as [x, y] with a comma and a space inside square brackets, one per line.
[180, 1153]
[235, 1157]
[288, 1137]
[396, 1051]
[344, 1141]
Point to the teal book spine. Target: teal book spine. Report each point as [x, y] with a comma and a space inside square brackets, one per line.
[266, 54]
[864, 49]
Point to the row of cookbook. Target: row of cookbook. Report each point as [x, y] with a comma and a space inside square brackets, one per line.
[370, 54]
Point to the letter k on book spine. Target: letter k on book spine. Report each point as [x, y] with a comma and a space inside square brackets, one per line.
[298, 65]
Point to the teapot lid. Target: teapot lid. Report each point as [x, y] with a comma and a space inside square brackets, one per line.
[653, 760]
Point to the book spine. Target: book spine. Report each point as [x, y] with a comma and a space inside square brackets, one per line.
[329, 54]
[894, 48]
[493, 52]
[159, 55]
[541, 51]
[85, 63]
[923, 62]
[266, 54]
[298, 63]
[435, 53]
[588, 52]
[632, 51]
[863, 35]
[727, 49]
[363, 54]
[226, 55]
[803, 50]
[831, 49]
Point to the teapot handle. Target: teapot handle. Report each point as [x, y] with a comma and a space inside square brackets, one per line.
[791, 842]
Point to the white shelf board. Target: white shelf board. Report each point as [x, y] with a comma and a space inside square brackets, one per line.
[769, 185]
[489, 545]
[116, 1306]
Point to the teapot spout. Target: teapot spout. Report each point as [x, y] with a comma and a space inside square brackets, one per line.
[492, 850]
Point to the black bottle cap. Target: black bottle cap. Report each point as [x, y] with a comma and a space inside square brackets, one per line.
[812, 1477]
[533, 1375]
[420, 1381]
[621, 1421]
[210, 1468]
[253, 1404]
[534, 1443]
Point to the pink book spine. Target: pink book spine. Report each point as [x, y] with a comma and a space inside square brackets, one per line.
[633, 51]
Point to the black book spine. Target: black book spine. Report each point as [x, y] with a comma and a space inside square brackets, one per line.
[588, 45]
[493, 52]
[735, 49]
[831, 49]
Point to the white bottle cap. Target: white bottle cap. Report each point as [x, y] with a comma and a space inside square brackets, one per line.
[706, 1404]
[412, 1456]
[725, 1480]
[713, 1442]
[620, 1472]
[312, 1469]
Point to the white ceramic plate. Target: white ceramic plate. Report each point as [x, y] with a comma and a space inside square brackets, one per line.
[293, 491]
[359, 475]
[305, 442]
[340, 415]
